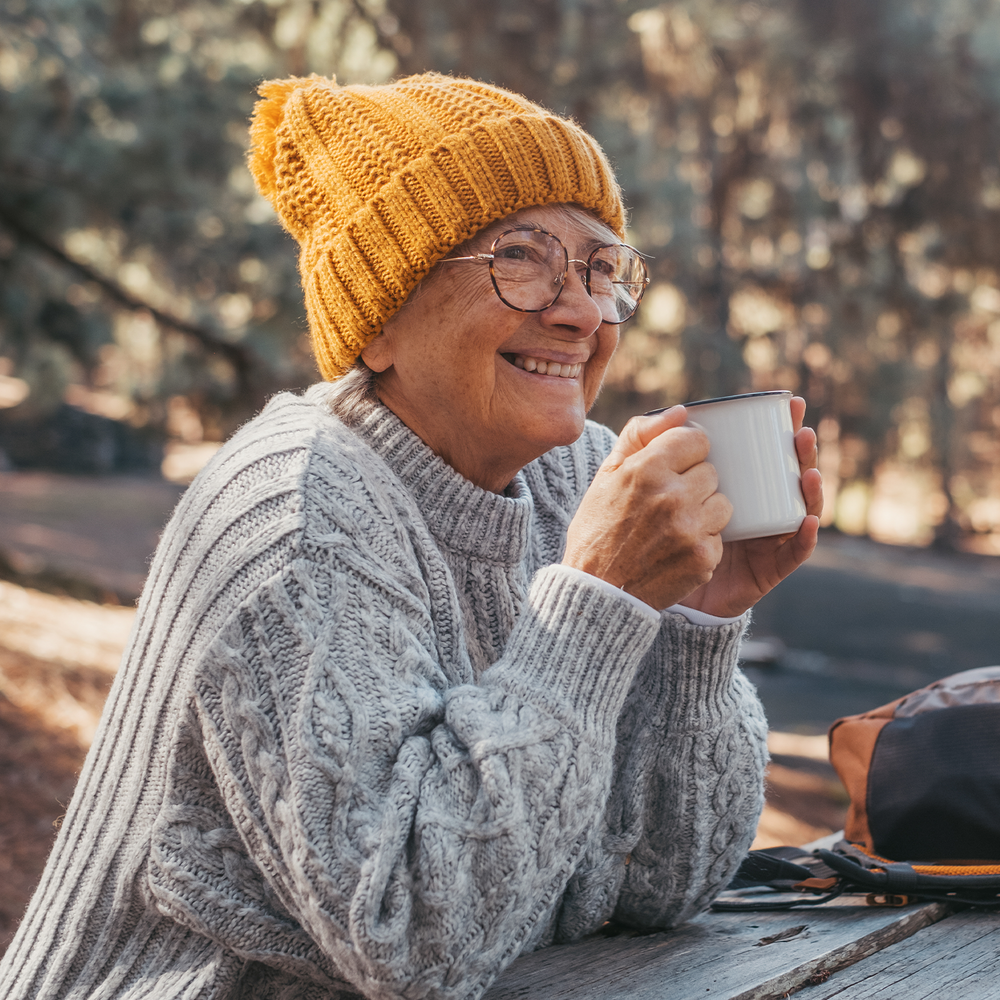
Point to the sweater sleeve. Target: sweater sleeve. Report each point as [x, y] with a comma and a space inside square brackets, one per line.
[341, 811]
[687, 790]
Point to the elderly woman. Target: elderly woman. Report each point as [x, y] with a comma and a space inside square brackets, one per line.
[428, 670]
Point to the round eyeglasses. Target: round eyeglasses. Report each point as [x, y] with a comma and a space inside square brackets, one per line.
[528, 268]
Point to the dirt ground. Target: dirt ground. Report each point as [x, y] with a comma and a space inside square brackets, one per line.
[58, 656]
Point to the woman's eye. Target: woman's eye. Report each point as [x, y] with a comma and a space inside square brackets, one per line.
[513, 253]
[602, 267]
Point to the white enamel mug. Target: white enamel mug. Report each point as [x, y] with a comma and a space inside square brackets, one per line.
[753, 451]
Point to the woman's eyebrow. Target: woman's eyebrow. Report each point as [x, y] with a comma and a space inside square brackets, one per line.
[490, 234]
[588, 242]
[586, 246]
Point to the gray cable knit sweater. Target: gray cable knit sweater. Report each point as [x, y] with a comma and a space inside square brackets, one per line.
[369, 738]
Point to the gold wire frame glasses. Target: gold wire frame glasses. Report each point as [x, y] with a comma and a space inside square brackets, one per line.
[528, 268]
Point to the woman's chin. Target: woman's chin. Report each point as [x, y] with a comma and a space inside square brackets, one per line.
[554, 426]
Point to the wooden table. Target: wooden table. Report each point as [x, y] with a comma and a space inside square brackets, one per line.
[843, 949]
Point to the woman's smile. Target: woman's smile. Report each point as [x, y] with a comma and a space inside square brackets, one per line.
[541, 366]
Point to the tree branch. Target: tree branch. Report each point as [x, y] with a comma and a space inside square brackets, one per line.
[239, 356]
[390, 40]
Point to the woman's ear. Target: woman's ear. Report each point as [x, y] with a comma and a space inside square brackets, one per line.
[377, 353]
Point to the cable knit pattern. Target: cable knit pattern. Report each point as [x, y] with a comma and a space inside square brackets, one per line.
[369, 738]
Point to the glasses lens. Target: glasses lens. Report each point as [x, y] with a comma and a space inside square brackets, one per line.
[528, 269]
[618, 278]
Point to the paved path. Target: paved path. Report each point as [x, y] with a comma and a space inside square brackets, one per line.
[863, 623]
[100, 530]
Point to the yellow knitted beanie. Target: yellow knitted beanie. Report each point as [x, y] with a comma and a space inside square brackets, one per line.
[378, 183]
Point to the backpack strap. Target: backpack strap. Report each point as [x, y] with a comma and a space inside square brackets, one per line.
[851, 869]
[765, 868]
[898, 877]
[773, 868]
[901, 878]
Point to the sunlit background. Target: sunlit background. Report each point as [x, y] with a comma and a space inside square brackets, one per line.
[817, 185]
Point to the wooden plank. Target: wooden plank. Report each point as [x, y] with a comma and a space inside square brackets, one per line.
[819, 969]
[718, 956]
[956, 958]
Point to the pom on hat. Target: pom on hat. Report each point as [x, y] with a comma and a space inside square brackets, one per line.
[267, 116]
[378, 183]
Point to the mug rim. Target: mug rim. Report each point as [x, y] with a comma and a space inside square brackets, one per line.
[740, 395]
[724, 399]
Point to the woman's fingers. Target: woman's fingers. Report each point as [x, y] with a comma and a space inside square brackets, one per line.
[641, 431]
[719, 511]
[812, 482]
[812, 491]
[798, 407]
[806, 448]
[662, 441]
[797, 549]
[651, 519]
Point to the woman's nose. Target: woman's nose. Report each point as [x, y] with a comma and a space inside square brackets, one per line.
[574, 310]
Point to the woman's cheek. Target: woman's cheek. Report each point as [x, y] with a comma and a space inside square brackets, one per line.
[597, 366]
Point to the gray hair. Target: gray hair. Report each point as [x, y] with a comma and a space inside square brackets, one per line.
[351, 394]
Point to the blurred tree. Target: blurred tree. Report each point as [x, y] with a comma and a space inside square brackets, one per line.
[817, 186]
[137, 263]
[842, 236]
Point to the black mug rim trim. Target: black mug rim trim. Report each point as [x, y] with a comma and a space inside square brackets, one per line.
[723, 399]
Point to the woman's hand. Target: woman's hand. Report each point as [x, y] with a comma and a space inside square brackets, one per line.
[650, 521]
[749, 569]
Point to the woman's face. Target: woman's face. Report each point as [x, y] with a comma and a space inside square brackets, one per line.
[452, 359]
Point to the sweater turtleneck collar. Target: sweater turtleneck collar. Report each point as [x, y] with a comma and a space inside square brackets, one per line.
[462, 516]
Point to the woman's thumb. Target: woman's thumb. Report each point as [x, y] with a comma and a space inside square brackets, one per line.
[640, 431]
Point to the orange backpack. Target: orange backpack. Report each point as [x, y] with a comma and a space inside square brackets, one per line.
[923, 776]
[923, 772]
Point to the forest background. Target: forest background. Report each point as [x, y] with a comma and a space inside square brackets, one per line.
[817, 186]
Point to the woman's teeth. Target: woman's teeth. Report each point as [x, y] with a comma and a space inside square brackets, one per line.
[547, 367]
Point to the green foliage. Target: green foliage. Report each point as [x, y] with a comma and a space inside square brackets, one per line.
[125, 125]
[817, 185]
